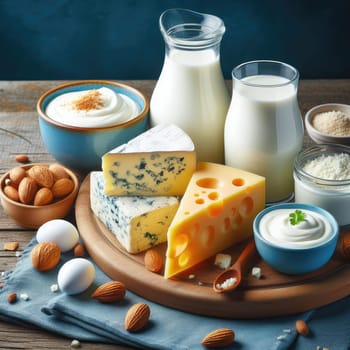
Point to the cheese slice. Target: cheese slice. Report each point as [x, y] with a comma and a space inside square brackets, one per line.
[137, 222]
[216, 211]
[159, 162]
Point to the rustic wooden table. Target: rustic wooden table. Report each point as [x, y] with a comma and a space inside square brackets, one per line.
[19, 134]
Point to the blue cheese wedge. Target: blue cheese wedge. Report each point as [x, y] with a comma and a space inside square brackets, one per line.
[159, 162]
[138, 222]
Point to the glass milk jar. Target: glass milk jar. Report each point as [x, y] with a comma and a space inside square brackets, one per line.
[191, 90]
[264, 129]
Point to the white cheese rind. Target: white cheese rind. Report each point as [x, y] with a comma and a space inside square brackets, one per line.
[159, 162]
[161, 138]
[137, 222]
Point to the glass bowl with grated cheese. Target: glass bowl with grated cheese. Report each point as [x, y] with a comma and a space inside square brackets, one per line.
[329, 123]
[322, 178]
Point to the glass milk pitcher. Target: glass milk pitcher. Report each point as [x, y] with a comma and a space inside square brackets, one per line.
[264, 130]
[191, 91]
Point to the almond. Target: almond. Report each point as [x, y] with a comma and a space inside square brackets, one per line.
[45, 256]
[302, 327]
[9, 182]
[26, 190]
[58, 171]
[17, 174]
[219, 338]
[22, 158]
[11, 193]
[137, 317]
[42, 175]
[153, 260]
[12, 298]
[12, 246]
[79, 250]
[109, 292]
[62, 187]
[43, 196]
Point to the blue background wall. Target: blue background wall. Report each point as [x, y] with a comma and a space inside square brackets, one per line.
[77, 39]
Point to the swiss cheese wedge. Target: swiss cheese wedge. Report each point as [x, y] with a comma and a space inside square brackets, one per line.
[216, 211]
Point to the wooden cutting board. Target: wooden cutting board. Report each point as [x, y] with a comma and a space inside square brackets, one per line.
[275, 294]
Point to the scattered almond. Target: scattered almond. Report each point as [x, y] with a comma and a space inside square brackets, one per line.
[22, 158]
[42, 175]
[58, 171]
[45, 256]
[12, 298]
[27, 189]
[11, 246]
[17, 174]
[43, 197]
[62, 187]
[11, 192]
[302, 327]
[79, 250]
[153, 260]
[137, 317]
[109, 292]
[219, 338]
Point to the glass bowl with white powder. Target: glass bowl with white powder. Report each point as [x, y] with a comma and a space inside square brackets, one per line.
[329, 123]
[322, 178]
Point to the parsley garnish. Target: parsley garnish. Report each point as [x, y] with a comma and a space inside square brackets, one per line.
[296, 217]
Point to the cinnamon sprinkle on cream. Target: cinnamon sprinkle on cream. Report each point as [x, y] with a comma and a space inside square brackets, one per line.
[89, 101]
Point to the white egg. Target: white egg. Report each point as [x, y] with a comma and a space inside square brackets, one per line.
[59, 231]
[75, 276]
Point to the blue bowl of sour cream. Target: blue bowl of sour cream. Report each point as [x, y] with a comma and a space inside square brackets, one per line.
[82, 120]
[295, 238]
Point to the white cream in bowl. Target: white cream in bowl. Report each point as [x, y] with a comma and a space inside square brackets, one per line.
[275, 227]
[92, 108]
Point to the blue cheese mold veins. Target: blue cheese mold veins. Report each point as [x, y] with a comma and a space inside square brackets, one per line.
[138, 222]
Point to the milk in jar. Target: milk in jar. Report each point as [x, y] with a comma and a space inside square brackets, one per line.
[191, 92]
[264, 129]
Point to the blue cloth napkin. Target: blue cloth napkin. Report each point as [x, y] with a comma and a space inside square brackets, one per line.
[81, 317]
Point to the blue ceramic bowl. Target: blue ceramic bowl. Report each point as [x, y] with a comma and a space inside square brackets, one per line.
[296, 260]
[81, 148]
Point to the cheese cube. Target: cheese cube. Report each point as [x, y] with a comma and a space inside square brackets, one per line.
[216, 211]
[159, 162]
[137, 222]
[222, 260]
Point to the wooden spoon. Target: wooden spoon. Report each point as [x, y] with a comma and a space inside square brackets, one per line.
[231, 278]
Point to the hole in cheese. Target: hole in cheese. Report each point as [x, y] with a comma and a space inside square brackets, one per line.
[246, 206]
[208, 182]
[207, 236]
[213, 196]
[238, 182]
[199, 201]
[183, 259]
[227, 225]
[237, 221]
[180, 244]
[195, 229]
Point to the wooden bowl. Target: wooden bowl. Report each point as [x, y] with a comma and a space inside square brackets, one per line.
[33, 216]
